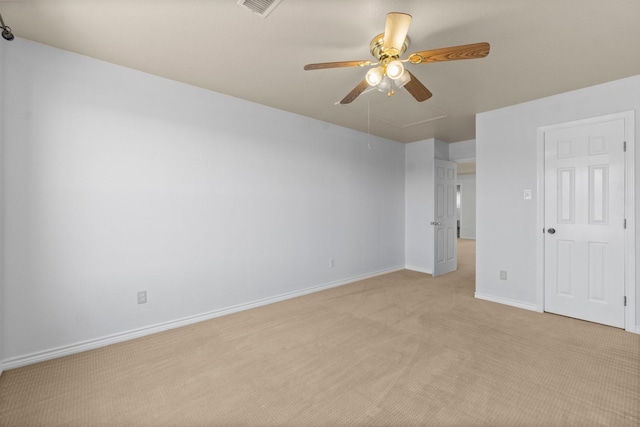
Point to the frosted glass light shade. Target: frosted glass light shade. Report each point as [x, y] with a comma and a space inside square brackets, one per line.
[395, 69]
[404, 79]
[374, 76]
[384, 85]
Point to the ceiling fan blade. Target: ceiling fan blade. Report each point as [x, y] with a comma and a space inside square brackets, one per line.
[395, 31]
[323, 65]
[362, 86]
[453, 53]
[417, 89]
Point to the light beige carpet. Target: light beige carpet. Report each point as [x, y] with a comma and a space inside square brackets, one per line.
[400, 349]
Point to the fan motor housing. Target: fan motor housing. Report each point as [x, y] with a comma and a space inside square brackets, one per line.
[376, 47]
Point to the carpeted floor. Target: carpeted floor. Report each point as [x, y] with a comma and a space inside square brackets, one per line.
[402, 349]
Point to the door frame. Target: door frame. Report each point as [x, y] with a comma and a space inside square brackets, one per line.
[629, 210]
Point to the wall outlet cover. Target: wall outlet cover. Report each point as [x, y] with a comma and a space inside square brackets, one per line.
[142, 297]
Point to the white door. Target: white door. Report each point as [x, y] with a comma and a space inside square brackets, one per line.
[445, 218]
[584, 222]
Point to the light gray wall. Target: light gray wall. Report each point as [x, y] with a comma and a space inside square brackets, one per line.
[440, 150]
[419, 205]
[419, 199]
[463, 150]
[118, 181]
[507, 164]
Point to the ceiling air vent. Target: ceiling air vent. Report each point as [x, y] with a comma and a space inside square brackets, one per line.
[261, 7]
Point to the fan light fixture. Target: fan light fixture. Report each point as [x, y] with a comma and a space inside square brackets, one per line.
[393, 70]
[387, 78]
[389, 86]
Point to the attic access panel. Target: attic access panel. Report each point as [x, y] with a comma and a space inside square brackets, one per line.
[399, 110]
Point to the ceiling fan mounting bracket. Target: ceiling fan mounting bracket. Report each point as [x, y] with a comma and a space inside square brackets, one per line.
[376, 47]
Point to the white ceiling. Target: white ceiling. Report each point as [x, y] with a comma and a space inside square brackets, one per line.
[538, 48]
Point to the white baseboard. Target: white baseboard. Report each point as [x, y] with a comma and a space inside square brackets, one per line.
[527, 306]
[418, 269]
[506, 301]
[41, 356]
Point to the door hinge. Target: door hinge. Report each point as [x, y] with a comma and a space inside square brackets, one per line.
[625, 301]
[624, 146]
[625, 223]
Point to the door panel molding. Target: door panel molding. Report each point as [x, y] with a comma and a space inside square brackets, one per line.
[596, 146]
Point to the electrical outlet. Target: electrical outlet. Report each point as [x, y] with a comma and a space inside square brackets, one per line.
[503, 275]
[332, 263]
[142, 297]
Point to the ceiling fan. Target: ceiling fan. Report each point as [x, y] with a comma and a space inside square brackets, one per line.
[390, 73]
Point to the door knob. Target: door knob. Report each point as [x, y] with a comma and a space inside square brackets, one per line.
[551, 231]
[435, 223]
